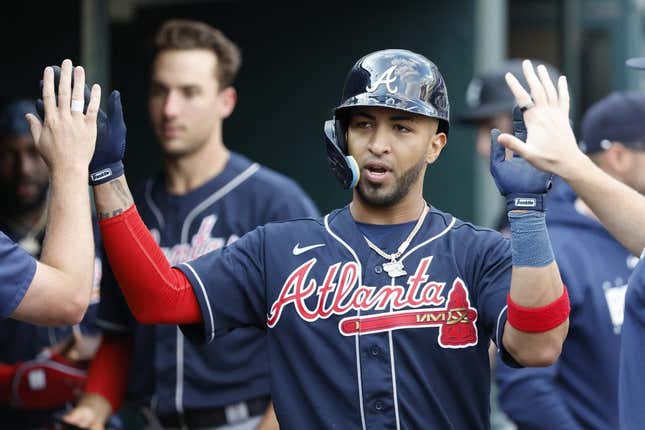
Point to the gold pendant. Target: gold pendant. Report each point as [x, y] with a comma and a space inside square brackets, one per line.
[394, 269]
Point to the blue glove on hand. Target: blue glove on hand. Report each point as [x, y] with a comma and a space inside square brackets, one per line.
[106, 163]
[523, 185]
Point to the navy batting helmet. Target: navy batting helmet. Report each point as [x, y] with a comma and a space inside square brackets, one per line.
[392, 78]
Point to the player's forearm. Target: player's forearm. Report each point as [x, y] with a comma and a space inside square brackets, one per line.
[112, 198]
[618, 207]
[538, 306]
[533, 287]
[156, 293]
[68, 252]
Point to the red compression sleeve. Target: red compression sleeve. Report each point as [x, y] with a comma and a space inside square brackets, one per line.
[156, 293]
[108, 373]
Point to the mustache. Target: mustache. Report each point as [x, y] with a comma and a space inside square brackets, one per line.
[171, 123]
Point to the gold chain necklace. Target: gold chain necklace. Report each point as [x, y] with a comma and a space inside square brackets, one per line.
[395, 268]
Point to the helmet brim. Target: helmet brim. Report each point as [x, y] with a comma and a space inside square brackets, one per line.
[390, 101]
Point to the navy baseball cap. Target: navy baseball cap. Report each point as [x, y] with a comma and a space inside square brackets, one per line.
[488, 94]
[12, 118]
[619, 117]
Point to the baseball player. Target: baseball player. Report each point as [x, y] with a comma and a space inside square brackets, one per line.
[56, 289]
[379, 314]
[29, 349]
[621, 209]
[581, 390]
[206, 197]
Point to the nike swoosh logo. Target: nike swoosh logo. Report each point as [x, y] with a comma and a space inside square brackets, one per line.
[297, 250]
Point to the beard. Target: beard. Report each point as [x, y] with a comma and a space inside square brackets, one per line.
[16, 206]
[377, 195]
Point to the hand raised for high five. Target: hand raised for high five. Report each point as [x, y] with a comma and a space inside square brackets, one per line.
[521, 184]
[550, 143]
[67, 136]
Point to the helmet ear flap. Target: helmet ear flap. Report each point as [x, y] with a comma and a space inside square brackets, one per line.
[343, 166]
[341, 134]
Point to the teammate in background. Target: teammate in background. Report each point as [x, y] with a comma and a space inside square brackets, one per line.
[489, 105]
[27, 349]
[205, 198]
[576, 392]
[379, 314]
[621, 209]
[56, 289]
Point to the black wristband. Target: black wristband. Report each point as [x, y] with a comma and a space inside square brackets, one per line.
[527, 202]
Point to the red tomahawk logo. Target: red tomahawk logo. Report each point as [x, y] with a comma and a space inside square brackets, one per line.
[456, 321]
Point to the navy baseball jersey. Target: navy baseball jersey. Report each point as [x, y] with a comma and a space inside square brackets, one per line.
[581, 389]
[351, 347]
[17, 269]
[234, 368]
[631, 396]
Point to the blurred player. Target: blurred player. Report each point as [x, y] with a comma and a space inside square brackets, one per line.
[28, 349]
[205, 198]
[56, 289]
[581, 390]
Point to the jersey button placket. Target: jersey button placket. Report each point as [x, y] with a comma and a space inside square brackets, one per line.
[375, 351]
[379, 405]
[376, 365]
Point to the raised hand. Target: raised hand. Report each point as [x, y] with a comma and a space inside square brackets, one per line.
[66, 137]
[522, 184]
[106, 164]
[550, 144]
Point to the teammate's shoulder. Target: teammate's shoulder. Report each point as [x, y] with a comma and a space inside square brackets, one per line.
[303, 225]
[295, 224]
[265, 178]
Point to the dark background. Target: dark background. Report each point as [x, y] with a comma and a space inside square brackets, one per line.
[294, 63]
[295, 58]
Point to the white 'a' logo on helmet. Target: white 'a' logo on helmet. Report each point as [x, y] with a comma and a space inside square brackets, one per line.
[386, 79]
